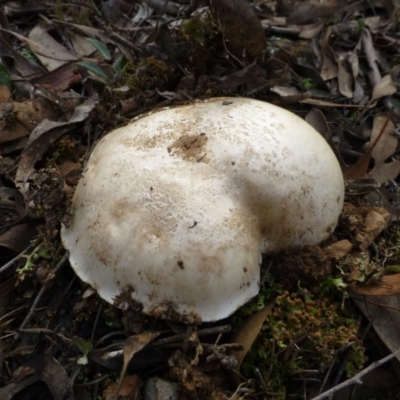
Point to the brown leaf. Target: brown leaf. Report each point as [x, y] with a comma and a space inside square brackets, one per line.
[51, 53]
[58, 52]
[387, 143]
[61, 78]
[308, 10]
[383, 313]
[388, 285]
[329, 69]
[18, 237]
[241, 27]
[359, 169]
[345, 78]
[128, 391]
[47, 369]
[246, 335]
[17, 63]
[132, 345]
[375, 222]
[42, 137]
[317, 120]
[385, 87]
[386, 172]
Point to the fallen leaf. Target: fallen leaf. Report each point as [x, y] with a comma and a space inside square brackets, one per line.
[42, 137]
[383, 313]
[359, 169]
[61, 78]
[388, 285]
[17, 63]
[18, 237]
[132, 345]
[51, 54]
[58, 53]
[385, 87]
[317, 120]
[245, 335]
[43, 368]
[375, 222]
[345, 77]
[387, 143]
[386, 172]
[241, 28]
[129, 388]
[329, 69]
[308, 10]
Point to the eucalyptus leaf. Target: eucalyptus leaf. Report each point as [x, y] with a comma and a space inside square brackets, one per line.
[93, 68]
[101, 47]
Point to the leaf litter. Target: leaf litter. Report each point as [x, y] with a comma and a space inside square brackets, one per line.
[70, 74]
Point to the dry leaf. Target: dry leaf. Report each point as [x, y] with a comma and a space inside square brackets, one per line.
[359, 169]
[386, 172]
[345, 77]
[61, 78]
[329, 69]
[387, 143]
[317, 120]
[55, 55]
[383, 313]
[246, 335]
[47, 369]
[375, 222]
[42, 137]
[128, 391]
[132, 345]
[388, 285]
[385, 87]
[240, 26]
[308, 10]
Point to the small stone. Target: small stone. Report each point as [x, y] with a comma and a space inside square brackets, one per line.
[160, 389]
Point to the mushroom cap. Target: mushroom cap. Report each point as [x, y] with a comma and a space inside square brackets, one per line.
[174, 209]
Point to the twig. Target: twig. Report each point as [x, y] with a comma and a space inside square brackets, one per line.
[357, 378]
[4, 269]
[43, 289]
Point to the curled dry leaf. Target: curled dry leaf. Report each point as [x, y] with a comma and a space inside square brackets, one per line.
[42, 137]
[42, 368]
[246, 335]
[387, 145]
[359, 169]
[132, 345]
[60, 54]
[55, 54]
[375, 222]
[385, 87]
[240, 26]
[308, 10]
[388, 285]
[317, 120]
[329, 69]
[383, 312]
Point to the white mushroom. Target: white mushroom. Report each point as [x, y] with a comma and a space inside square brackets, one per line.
[174, 210]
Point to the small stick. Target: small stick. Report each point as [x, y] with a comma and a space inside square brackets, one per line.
[357, 378]
[42, 290]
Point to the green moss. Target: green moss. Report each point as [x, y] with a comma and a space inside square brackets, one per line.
[305, 331]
